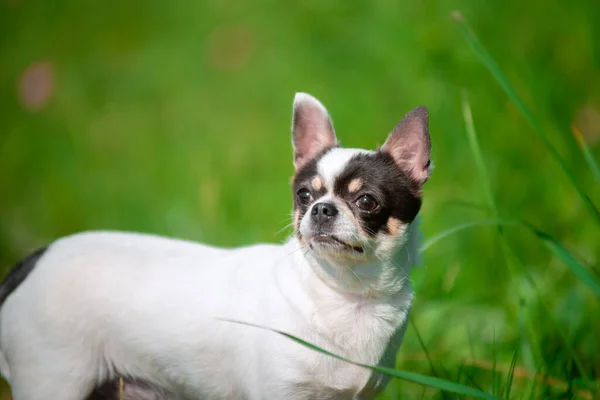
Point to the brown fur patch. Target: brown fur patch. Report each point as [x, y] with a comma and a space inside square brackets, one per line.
[355, 185]
[317, 183]
[296, 220]
[393, 226]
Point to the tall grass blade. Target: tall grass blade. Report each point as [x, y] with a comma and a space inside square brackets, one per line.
[466, 225]
[494, 365]
[587, 154]
[530, 333]
[470, 377]
[459, 372]
[430, 381]
[511, 374]
[497, 73]
[576, 266]
[427, 355]
[465, 204]
[534, 387]
[582, 271]
[476, 151]
[510, 257]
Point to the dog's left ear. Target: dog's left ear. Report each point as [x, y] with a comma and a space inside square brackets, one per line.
[312, 129]
[410, 146]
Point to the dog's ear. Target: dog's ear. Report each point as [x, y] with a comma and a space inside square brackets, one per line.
[312, 129]
[410, 146]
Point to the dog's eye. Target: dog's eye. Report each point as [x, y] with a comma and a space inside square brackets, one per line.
[304, 196]
[367, 203]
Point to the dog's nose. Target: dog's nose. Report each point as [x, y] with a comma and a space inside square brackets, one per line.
[322, 212]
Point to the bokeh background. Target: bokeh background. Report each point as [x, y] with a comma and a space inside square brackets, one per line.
[173, 118]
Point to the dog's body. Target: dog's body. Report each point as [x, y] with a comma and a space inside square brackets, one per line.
[109, 304]
[159, 312]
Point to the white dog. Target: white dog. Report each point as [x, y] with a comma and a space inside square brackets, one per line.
[97, 307]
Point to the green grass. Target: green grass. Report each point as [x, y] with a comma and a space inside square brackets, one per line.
[489, 62]
[174, 119]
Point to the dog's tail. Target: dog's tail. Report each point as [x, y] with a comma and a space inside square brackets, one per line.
[14, 278]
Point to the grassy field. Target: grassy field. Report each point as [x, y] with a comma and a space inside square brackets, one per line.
[174, 118]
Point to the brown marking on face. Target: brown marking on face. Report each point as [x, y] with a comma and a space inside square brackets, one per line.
[393, 226]
[317, 183]
[296, 220]
[355, 185]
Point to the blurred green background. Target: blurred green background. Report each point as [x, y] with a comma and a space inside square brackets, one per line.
[173, 118]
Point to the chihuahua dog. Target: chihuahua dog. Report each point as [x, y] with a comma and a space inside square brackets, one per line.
[99, 314]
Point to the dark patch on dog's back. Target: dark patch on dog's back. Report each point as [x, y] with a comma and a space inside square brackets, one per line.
[19, 272]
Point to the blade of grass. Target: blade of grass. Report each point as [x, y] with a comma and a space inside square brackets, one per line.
[511, 373]
[513, 262]
[431, 365]
[540, 235]
[472, 352]
[572, 262]
[576, 266]
[587, 154]
[497, 73]
[534, 386]
[430, 381]
[461, 227]
[122, 389]
[465, 204]
[585, 389]
[459, 372]
[495, 389]
[510, 259]
[570, 377]
[476, 151]
[422, 343]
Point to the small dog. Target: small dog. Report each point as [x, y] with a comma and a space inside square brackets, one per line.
[101, 312]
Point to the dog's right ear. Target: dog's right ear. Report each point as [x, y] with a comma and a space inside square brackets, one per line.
[410, 146]
[312, 129]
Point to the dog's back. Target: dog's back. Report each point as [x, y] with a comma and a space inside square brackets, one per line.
[99, 305]
[12, 281]
[113, 388]
[53, 300]
[18, 274]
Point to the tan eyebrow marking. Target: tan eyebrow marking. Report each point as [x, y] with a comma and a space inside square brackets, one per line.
[317, 183]
[355, 185]
[296, 219]
[393, 225]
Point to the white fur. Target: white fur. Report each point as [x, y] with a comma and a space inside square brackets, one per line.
[102, 303]
[334, 162]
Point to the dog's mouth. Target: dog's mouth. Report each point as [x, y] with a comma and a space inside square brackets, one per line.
[331, 240]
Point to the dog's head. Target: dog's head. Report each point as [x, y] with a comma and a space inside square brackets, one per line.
[351, 205]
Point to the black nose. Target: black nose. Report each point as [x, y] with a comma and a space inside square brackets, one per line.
[322, 212]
